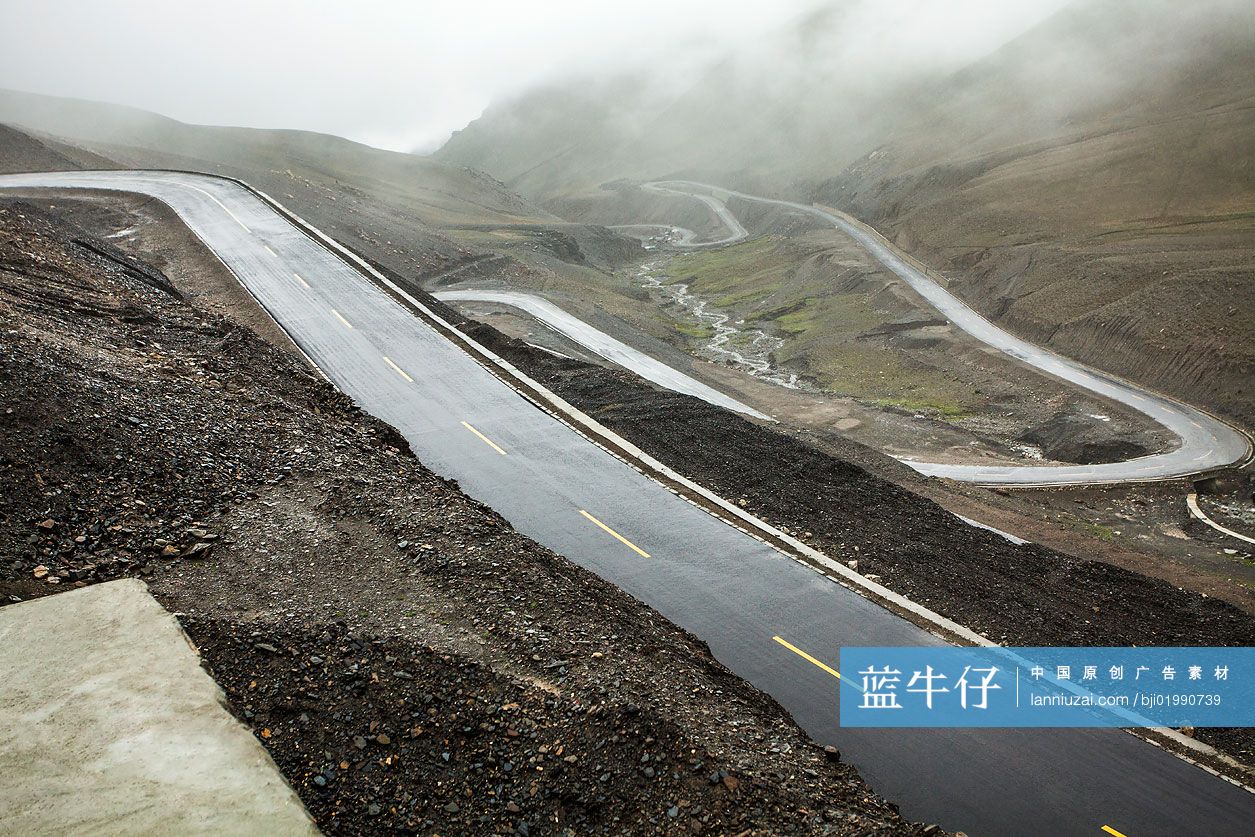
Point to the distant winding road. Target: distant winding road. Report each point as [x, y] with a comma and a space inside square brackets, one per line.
[1205, 442]
[736, 232]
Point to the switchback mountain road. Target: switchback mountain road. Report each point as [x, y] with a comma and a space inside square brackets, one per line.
[736, 232]
[766, 616]
[1205, 442]
[602, 344]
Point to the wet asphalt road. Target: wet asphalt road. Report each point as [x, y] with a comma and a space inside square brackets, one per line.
[731, 590]
[602, 344]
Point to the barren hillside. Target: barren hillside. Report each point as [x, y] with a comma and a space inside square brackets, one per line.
[398, 203]
[1100, 198]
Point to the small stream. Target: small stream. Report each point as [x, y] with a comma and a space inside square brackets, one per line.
[747, 349]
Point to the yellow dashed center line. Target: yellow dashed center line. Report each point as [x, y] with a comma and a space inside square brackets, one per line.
[305, 285]
[616, 535]
[268, 250]
[815, 662]
[398, 370]
[340, 317]
[1113, 832]
[489, 442]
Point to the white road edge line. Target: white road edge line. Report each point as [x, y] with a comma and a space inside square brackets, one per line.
[1191, 502]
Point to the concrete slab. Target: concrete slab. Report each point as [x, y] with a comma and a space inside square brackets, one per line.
[108, 725]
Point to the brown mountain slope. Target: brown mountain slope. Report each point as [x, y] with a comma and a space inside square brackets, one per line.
[434, 192]
[22, 152]
[397, 206]
[1116, 222]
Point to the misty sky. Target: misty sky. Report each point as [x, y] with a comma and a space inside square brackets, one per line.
[403, 75]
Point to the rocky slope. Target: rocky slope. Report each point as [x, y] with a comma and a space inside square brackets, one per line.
[23, 152]
[410, 661]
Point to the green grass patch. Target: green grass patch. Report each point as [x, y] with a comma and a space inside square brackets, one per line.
[1104, 533]
[835, 315]
[879, 376]
[746, 272]
[799, 322]
[747, 295]
[947, 410]
[700, 331]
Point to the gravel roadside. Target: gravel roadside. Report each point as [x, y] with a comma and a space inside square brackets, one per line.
[411, 662]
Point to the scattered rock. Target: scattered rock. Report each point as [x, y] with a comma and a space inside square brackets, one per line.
[198, 550]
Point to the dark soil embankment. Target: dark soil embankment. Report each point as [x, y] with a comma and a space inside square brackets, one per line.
[1016, 595]
[411, 662]
[1084, 439]
[1021, 595]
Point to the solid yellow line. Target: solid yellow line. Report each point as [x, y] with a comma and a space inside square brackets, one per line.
[302, 281]
[339, 317]
[814, 661]
[616, 535]
[485, 439]
[398, 369]
[1113, 832]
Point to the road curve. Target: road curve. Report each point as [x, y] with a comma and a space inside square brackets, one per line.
[736, 232]
[603, 344]
[1205, 443]
[733, 591]
[683, 237]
